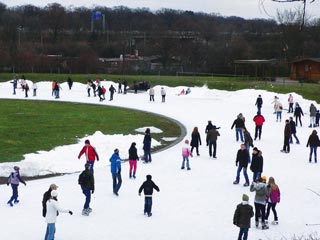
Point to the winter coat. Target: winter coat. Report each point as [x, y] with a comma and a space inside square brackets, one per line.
[278, 106]
[91, 153]
[287, 130]
[259, 120]
[195, 140]
[293, 127]
[313, 140]
[133, 153]
[274, 194]
[115, 163]
[163, 92]
[261, 192]
[298, 112]
[212, 135]
[112, 89]
[242, 215]
[148, 187]
[242, 158]
[259, 102]
[186, 151]
[208, 127]
[147, 142]
[86, 180]
[46, 197]
[313, 111]
[239, 123]
[15, 178]
[247, 139]
[151, 91]
[52, 208]
[257, 162]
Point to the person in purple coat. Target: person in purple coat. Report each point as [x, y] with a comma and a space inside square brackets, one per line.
[274, 198]
[14, 179]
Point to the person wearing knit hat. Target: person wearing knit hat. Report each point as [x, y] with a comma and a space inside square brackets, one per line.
[256, 165]
[46, 197]
[14, 179]
[242, 216]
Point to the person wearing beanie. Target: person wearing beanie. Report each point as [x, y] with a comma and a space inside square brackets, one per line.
[53, 208]
[147, 188]
[256, 164]
[242, 217]
[260, 188]
[14, 179]
[239, 124]
[115, 168]
[46, 197]
[91, 154]
[86, 181]
[186, 153]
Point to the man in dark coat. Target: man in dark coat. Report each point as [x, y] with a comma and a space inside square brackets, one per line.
[239, 124]
[293, 131]
[46, 197]
[259, 103]
[86, 181]
[147, 188]
[287, 134]
[256, 165]
[242, 216]
[242, 163]
[212, 137]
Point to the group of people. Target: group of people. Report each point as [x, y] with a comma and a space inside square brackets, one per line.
[162, 93]
[23, 85]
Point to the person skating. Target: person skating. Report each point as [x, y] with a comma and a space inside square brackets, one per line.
[258, 120]
[313, 142]
[133, 158]
[46, 197]
[287, 134]
[256, 165]
[70, 82]
[14, 179]
[261, 191]
[53, 208]
[34, 87]
[298, 113]
[313, 113]
[112, 90]
[290, 101]
[278, 108]
[239, 124]
[259, 103]
[242, 217]
[273, 200]
[186, 153]
[163, 94]
[90, 152]
[242, 164]
[293, 131]
[247, 140]
[147, 146]
[212, 137]
[195, 140]
[119, 86]
[86, 181]
[116, 171]
[15, 84]
[147, 188]
[151, 94]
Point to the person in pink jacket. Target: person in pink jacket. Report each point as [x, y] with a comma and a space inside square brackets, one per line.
[274, 198]
[91, 154]
[186, 152]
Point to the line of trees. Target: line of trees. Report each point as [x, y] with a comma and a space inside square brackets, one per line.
[58, 39]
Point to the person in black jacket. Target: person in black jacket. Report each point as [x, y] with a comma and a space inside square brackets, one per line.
[242, 216]
[195, 140]
[147, 188]
[86, 181]
[259, 103]
[293, 131]
[46, 197]
[239, 124]
[313, 142]
[242, 163]
[133, 158]
[147, 146]
[297, 113]
[256, 164]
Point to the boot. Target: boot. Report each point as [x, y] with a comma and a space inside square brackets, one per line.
[130, 176]
[264, 226]
[134, 176]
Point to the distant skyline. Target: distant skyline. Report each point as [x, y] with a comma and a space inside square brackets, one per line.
[242, 8]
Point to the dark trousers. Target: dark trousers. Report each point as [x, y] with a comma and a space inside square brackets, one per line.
[163, 98]
[197, 149]
[260, 212]
[290, 108]
[243, 234]
[14, 196]
[298, 118]
[87, 193]
[117, 181]
[286, 144]
[147, 156]
[273, 207]
[214, 145]
[147, 205]
[151, 98]
[295, 136]
[258, 132]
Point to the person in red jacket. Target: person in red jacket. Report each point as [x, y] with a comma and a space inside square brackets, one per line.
[91, 154]
[259, 120]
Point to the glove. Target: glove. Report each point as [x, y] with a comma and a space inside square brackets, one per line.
[70, 212]
[92, 191]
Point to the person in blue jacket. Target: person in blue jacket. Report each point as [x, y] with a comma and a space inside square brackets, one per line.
[116, 171]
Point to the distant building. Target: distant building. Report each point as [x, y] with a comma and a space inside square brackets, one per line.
[306, 69]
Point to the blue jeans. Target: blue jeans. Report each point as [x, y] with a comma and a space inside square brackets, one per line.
[91, 166]
[239, 132]
[117, 181]
[147, 205]
[51, 229]
[87, 193]
[185, 159]
[244, 174]
[279, 114]
[313, 149]
[295, 136]
[147, 156]
[243, 232]
[248, 149]
[14, 196]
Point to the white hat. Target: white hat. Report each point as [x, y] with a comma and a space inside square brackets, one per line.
[54, 193]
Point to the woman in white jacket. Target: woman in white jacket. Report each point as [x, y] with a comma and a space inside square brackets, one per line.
[53, 209]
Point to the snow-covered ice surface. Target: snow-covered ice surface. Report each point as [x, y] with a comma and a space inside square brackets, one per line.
[196, 204]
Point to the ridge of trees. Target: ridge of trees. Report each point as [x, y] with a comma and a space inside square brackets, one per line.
[54, 38]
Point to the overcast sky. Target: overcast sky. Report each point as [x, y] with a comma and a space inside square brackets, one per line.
[242, 8]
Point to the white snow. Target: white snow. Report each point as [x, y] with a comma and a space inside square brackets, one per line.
[196, 204]
[152, 129]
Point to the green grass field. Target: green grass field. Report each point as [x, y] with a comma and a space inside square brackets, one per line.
[30, 126]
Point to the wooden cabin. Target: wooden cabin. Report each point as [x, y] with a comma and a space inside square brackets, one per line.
[306, 69]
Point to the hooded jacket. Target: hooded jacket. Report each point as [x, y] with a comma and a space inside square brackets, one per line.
[261, 192]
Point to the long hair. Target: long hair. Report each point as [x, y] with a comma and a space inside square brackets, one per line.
[272, 184]
[195, 130]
